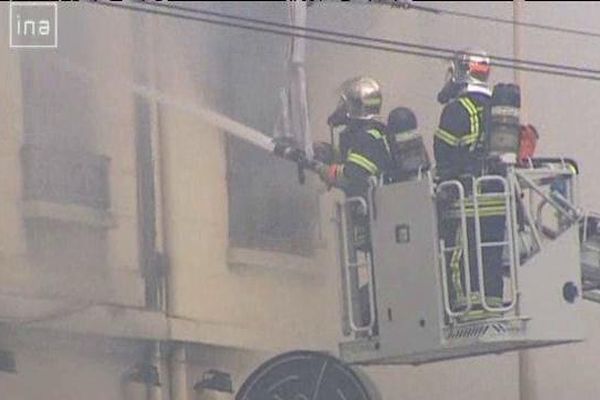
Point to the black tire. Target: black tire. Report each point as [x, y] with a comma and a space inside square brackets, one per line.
[303, 375]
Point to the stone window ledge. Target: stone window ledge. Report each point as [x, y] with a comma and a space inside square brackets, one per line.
[68, 213]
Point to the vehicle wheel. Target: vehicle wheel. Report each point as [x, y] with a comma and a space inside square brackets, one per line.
[303, 375]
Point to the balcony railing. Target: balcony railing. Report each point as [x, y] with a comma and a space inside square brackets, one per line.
[65, 177]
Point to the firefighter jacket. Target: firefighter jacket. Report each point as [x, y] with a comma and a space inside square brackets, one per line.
[458, 142]
[459, 154]
[365, 152]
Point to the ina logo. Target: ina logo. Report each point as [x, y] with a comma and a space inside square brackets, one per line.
[33, 25]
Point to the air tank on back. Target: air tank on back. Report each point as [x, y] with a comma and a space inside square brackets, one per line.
[504, 129]
[408, 152]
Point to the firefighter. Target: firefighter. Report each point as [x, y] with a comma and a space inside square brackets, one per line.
[363, 147]
[459, 152]
[363, 153]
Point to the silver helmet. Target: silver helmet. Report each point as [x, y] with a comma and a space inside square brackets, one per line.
[361, 98]
[469, 66]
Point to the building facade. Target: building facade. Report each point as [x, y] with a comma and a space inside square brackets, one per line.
[143, 244]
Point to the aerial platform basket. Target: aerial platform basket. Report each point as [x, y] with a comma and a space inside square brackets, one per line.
[396, 293]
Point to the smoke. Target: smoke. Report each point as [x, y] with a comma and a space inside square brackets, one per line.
[214, 118]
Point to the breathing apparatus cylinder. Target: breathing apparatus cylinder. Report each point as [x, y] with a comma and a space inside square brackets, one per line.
[503, 140]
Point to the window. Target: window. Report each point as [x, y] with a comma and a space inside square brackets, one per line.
[65, 182]
[268, 209]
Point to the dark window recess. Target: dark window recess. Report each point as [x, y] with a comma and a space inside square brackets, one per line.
[65, 176]
[152, 262]
[268, 209]
[7, 362]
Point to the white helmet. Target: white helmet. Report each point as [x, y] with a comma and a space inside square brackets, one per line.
[469, 66]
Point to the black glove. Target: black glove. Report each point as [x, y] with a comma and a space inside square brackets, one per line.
[449, 91]
[324, 152]
[288, 152]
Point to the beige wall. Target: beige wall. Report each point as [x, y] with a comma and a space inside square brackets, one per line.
[13, 267]
[564, 112]
[64, 367]
[287, 308]
[287, 302]
[114, 120]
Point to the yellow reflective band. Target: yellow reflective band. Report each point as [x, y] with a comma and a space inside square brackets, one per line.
[372, 101]
[476, 300]
[387, 145]
[472, 113]
[483, 199]
[363, 162]
[455, 274]
[472, 107]
[482, 211]
[482, 217]
[572, 169]
[487, 204]
[474, 118]
[446, 137]
[483, 205]
[479, 314]
[375, 133]
[469, 139]
[489, 213]
[378, 135]
[493, 301]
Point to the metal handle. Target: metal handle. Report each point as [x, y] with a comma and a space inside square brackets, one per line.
[445, 290]
[347, 269]
[586, 218]
[526, 213]
[464, 244]
[506, 196]
[373, 183]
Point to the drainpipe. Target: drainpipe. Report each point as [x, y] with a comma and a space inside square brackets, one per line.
[176, 364]
[178, 373]
[174, 376]
[148, 168]
[154, 392]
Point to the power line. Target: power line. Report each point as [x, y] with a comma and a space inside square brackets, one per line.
[440, 11]
[345, 35]
[260, 29]
[288, 33]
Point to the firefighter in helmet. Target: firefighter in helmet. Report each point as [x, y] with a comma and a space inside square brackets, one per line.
[363, 148]
[459, 152]
[363, 153]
